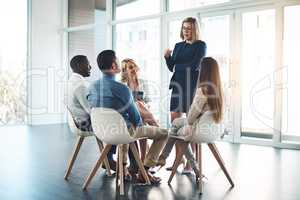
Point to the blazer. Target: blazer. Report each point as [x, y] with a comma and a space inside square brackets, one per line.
[185, 57]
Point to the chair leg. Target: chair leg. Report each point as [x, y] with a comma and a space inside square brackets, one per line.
[216, 153]
[96, 167]
[182, 148]
[121, 169]
[117, 169]
[74, 155]
[200, 183]
[139, 162]
[197, 152]
[106, 163]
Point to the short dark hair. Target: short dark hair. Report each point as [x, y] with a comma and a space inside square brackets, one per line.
[105, 59]
[76, 61]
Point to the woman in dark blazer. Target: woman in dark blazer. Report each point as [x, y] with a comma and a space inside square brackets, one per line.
[184, 62]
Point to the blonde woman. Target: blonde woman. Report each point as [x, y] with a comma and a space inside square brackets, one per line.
[183, 62]
[208, 98]
[139, 87]
[140, 90]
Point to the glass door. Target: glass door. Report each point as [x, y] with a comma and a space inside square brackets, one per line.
[291, 48]
[257, 73]
[139, 40]
[218, 47]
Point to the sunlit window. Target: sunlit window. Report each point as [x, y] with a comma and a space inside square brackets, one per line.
[13, 49]
[137, 8]
[175, 5]
[174, 33]
[291, 98]
[218, 48]
[140, 41]
[258, 68]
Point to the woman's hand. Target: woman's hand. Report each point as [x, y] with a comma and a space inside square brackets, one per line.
[167, 53]
[187, 133]
[146, 115]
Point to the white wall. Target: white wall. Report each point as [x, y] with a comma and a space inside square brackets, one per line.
[46, 75]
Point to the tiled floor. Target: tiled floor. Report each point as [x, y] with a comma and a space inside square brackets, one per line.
[33, 161]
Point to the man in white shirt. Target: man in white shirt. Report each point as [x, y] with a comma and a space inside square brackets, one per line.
[77, 102]
[77, 92]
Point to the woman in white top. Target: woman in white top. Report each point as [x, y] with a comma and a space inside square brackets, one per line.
[208, 98]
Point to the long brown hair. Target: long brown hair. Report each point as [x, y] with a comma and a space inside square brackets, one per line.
[195, 28]
[126, 64]
[210, 82]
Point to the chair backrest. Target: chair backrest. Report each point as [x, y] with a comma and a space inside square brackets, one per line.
[110, 127]
[206, 130]
[74, 128]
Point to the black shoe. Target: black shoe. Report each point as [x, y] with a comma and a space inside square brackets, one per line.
[153, 180]
[112, 165]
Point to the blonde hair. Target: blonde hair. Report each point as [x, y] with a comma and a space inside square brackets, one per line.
[210, 82]
[195, 28]
[127, 63]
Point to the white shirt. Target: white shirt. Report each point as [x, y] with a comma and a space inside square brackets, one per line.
[77, 98]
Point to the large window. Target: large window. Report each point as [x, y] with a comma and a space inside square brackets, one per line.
[140, 42]
[13, 50]
[218, 47]
[291, 98]
[258, 66]
[175, 5]
[174, 33]
[135, 8]
[245, 37]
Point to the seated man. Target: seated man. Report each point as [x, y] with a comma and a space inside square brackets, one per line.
[77, 102]
[107, 92]
[77, 92]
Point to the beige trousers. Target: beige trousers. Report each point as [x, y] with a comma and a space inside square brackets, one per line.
[159, 137]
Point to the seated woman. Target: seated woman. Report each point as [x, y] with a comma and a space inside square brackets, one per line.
[140, 91]
[208, 97]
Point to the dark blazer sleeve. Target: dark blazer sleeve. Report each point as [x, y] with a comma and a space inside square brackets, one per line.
[195, 61]
[170, 61]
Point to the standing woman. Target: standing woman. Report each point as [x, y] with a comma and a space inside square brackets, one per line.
[184, 62]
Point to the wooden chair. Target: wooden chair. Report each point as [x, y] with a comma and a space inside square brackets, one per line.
[110, 127]
[207, 131]
[81, 135]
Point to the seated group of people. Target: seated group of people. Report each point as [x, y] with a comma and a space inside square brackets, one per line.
[129, 98]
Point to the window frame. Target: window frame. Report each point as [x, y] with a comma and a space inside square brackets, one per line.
[234, 8]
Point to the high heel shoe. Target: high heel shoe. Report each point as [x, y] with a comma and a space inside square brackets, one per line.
[199, 176]
[160, 163]
[182, 162]
[187, 169]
